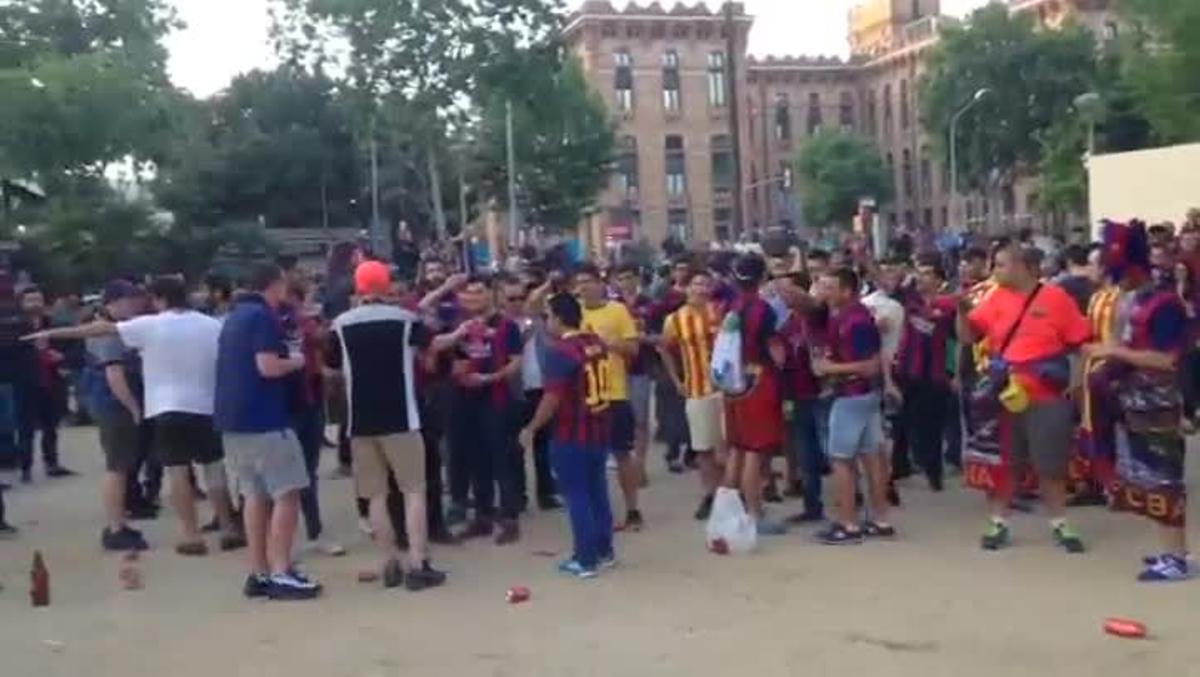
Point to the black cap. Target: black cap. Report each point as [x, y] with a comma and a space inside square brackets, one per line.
[118, 289]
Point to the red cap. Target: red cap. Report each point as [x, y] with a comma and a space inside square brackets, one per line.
[372, 278]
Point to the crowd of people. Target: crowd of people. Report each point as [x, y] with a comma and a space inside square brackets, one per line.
[1066, 376]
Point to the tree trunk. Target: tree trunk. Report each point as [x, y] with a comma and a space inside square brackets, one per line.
[435, 192]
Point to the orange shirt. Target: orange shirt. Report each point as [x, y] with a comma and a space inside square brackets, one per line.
[1052, 326]
[692, 333]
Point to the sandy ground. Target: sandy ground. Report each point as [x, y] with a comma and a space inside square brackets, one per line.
[928, 604]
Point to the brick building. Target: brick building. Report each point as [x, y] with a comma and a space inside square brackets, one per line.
[663, 74]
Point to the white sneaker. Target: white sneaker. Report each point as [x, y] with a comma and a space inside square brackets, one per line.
[365, 527]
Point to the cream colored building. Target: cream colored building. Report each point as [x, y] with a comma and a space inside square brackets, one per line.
[662, 72]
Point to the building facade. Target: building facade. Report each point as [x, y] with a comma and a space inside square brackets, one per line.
[664, 73]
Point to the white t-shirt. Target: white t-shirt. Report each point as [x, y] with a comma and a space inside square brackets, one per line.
[179, 360]
[889, 315]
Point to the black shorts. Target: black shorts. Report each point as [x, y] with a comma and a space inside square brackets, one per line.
[182, 439]
[621, 426]
[120, 439]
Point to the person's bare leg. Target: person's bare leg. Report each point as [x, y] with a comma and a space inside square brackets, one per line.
[843, 487]
[282, 530]
[630, 480]
[878, 473]
[733, 468]
[1174, 540]
[414, 523]
[382, 531]
[222, 506]
[1054, 496]
[183, 502]
[256, 516]
[112, 491]
[710, 472]
[752, 483]
[999, 506]
[641, 441]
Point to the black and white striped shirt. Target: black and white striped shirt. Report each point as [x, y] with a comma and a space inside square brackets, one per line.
[376, 346]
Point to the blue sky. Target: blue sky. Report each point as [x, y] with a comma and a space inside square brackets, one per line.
[227, 37]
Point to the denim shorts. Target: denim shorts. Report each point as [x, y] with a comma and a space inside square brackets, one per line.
[266, 465]
[855, 426]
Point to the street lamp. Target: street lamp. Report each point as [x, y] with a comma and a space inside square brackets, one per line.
[975, 98]
[1090, 107]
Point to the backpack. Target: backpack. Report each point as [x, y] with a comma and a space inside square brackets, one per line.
[727, 370]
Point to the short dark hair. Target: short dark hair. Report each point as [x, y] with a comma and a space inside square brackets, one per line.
[262, 275]
[629, 269]
[567, 309]
[933, 263]
[1076, 255]
[846, 278]
[478, 278]
[171, 289]
[818, 254]
[219, 283]
[27, 290]
[749, 270]
[800, 279]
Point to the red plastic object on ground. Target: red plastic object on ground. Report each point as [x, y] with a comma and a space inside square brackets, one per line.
[517, 594]
[1123, 627]
[39, 581]
[719, 546]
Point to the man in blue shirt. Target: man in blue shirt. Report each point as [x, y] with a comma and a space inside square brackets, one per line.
[251, 413]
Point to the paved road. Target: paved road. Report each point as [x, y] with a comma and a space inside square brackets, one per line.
[929, 604]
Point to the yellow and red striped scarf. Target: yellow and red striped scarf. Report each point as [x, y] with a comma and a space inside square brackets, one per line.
[1102, 311]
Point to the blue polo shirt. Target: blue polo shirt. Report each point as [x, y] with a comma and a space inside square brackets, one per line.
[246, 401]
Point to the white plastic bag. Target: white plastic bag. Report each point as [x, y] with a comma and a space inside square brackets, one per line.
[728, 373]
[729, 523]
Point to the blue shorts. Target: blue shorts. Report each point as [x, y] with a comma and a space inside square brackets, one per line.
[621, 425]
[855, 426]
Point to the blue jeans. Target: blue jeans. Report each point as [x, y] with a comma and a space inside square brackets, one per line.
[808, 452]
[583, 484]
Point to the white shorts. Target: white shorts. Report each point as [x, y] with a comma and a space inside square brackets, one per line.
[705, 417]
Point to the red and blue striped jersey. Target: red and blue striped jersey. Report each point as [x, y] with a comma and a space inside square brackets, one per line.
[853, 337]
[928, 327]
[576, 369]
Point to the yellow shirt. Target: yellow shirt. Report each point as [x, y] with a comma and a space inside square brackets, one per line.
[612, 322]
[693, 332]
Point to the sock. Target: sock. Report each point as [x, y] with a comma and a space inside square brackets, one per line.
[999, 521]
[1058, 522]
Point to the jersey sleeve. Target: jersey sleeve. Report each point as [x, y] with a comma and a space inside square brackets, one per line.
[671, 330]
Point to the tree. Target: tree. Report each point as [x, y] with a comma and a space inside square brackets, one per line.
[276, 145]
[1062, 177]
[563, 136]
[82, 84]
[1162, 65]
[1032, 78]
[836, 170]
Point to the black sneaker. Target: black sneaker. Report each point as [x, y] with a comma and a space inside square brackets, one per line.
[123, 540]
[8, 531]
[212, 527]
[59, 471]
[549, 503]
[675, 467]
[256, 586]
[478, 528]
[837, 534]
[1068, 539]
[705, 508]
[873, 530]
[509, 532]
[634, 521]
[289, 586]
[425, 577]
[393, 574]
[996, 537]
[936, 484]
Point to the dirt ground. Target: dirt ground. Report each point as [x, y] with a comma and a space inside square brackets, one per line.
[928, 604]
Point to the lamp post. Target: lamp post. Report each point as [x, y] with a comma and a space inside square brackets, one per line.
[1090, 107]
[975, 98]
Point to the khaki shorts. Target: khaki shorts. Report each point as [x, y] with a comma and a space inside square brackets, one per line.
[704, 418]
[373, 457]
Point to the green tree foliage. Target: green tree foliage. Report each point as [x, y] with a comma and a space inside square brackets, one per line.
[82, 84]
[276, 145]
[1032, 76]
[835, 170]
[1062, 177]
[563, 136]
[1162, 65]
